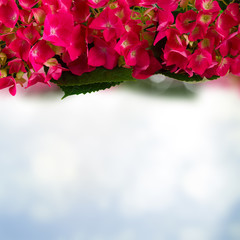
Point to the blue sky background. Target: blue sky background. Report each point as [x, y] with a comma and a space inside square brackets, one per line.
[119, 165]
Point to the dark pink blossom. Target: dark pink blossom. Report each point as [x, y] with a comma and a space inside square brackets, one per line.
[80, 65]
[8, 82]
[16, 65]
[199, 61]
[9, 13]
[198, 32]
[153, 67]
[80, 11]
[224, 66]
[27, 4]
[21, 47]
[37, 77]
[110, 24]
[77, 44]
[126, 42]
[174, 39]
[102, 54]
[179, 58]
[165, 19]
[207, 6]
[235, 69]
[138, 56]
[26, 16]
[97, 3]
[39, 15]
[39, 54]
[185, 22]
[30, 34]
[58, 28]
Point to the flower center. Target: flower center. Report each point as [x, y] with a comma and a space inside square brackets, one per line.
[53, 31]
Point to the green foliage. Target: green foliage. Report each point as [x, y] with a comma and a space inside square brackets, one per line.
[223, 4]
[88, 88]
[185, 78]
[99, 79]
[102, 78]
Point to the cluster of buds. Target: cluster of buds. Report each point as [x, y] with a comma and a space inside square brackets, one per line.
[39, 39]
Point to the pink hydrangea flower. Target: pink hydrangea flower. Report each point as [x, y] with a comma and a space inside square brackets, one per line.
[199, 61]
[58, 28]
[110, 23]
[8, 82]
[39, 54]
[9, 13]
[102, 54]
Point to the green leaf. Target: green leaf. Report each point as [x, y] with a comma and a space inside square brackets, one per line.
[88, 88]
[96, 80]
[102, 78]
[99, 75]
[185, 78]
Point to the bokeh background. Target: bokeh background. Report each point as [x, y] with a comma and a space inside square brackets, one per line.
[158, 160]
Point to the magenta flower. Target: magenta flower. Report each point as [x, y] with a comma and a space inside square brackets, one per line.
[21, 48]
[225, 22]
[25, 16]
[28, 4]
[37, 77]
[9, 13]
[198, 32]
[138, 56]
[235, 69]
[97, 3]
[80, 65]
[165, 19]
[8, 38]
[174, 39]
[126, 42]
[233, 10]
[234, 44]
[168, 5]
[199, 61]
[153, 67]
[132, 26]
[39, 54]
[58, 28]
[80, 11]
[30, 34]
[65, 4]
[8, 82]
[110, 24]
[16, 65]
[226, 46]
[206, 19]
[102, 54]
[39, 15]
[55, 72]
[51, 6]
[224, 66]
[207, 6]
[178, 58]
[186, 22]
[77, 44]
[207, 43]
[121, 9]
[10, 53]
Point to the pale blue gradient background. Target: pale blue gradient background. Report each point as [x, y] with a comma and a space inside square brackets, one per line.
[118, 165]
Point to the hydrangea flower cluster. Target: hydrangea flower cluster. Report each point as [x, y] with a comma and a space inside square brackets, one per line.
[40, 39]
